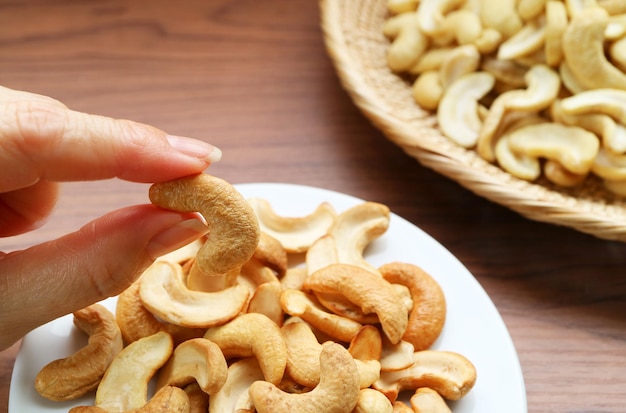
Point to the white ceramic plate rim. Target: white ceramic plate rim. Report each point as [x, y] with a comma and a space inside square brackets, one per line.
[473, 327]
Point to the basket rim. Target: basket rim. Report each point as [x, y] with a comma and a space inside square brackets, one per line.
[562, 209]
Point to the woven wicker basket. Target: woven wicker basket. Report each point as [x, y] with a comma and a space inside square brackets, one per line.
[354, 40]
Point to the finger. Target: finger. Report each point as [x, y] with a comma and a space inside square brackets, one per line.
[100, 260]
[28, 208]
[40, 138]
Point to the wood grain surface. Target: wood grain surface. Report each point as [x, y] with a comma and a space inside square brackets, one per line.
[253, 78]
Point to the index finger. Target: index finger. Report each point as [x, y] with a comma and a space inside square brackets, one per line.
[40, 138]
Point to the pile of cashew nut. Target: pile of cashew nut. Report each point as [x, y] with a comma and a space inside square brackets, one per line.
[268, 313]
[537, 87]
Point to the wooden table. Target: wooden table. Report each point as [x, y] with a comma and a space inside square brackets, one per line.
[252, 77]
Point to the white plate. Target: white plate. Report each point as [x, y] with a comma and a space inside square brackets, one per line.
[473, 327]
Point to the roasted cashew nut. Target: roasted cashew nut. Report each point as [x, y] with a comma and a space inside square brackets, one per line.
[337, 391]
[355, 228]
[303, 351]
[233, 396]
[366, 344]
[372, 401]
[298, 304]
[253, 334]
[195, 361]
[449, 373]
[164, 293]
[125, 383]
[71, 377]
[234, 228]
[135, 321]
[426, 399]
[295, 234]
[266, 301]
[369, 291]
[428, 314]
[168, 399]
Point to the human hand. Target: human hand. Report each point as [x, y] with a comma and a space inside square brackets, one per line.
[42, 143]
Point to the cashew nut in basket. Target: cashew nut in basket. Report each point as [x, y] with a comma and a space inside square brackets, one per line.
[449, 373]
[337, 391]
[234, 230]
[543, 85]
[169, 399]
[428, 314]
[408, 41]
[253, 334]
[163, 292]
[583, 48]
[573, 147]
[75, 375]
[369, 291]
[196, 360]
[125, 383]
[457, 115]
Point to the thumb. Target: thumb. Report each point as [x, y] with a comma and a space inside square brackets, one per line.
[98, 261]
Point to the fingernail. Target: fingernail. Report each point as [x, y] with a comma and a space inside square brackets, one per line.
[195, 147]
[176, 237]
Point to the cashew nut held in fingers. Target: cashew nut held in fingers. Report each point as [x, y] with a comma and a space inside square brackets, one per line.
[125, 383]
[71, 377]
[164, 293]
[256, 335]
[234, 230]
[337, 391]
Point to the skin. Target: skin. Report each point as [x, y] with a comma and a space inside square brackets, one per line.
[42, 144]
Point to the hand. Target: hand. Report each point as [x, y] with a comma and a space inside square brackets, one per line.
[42, 143]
